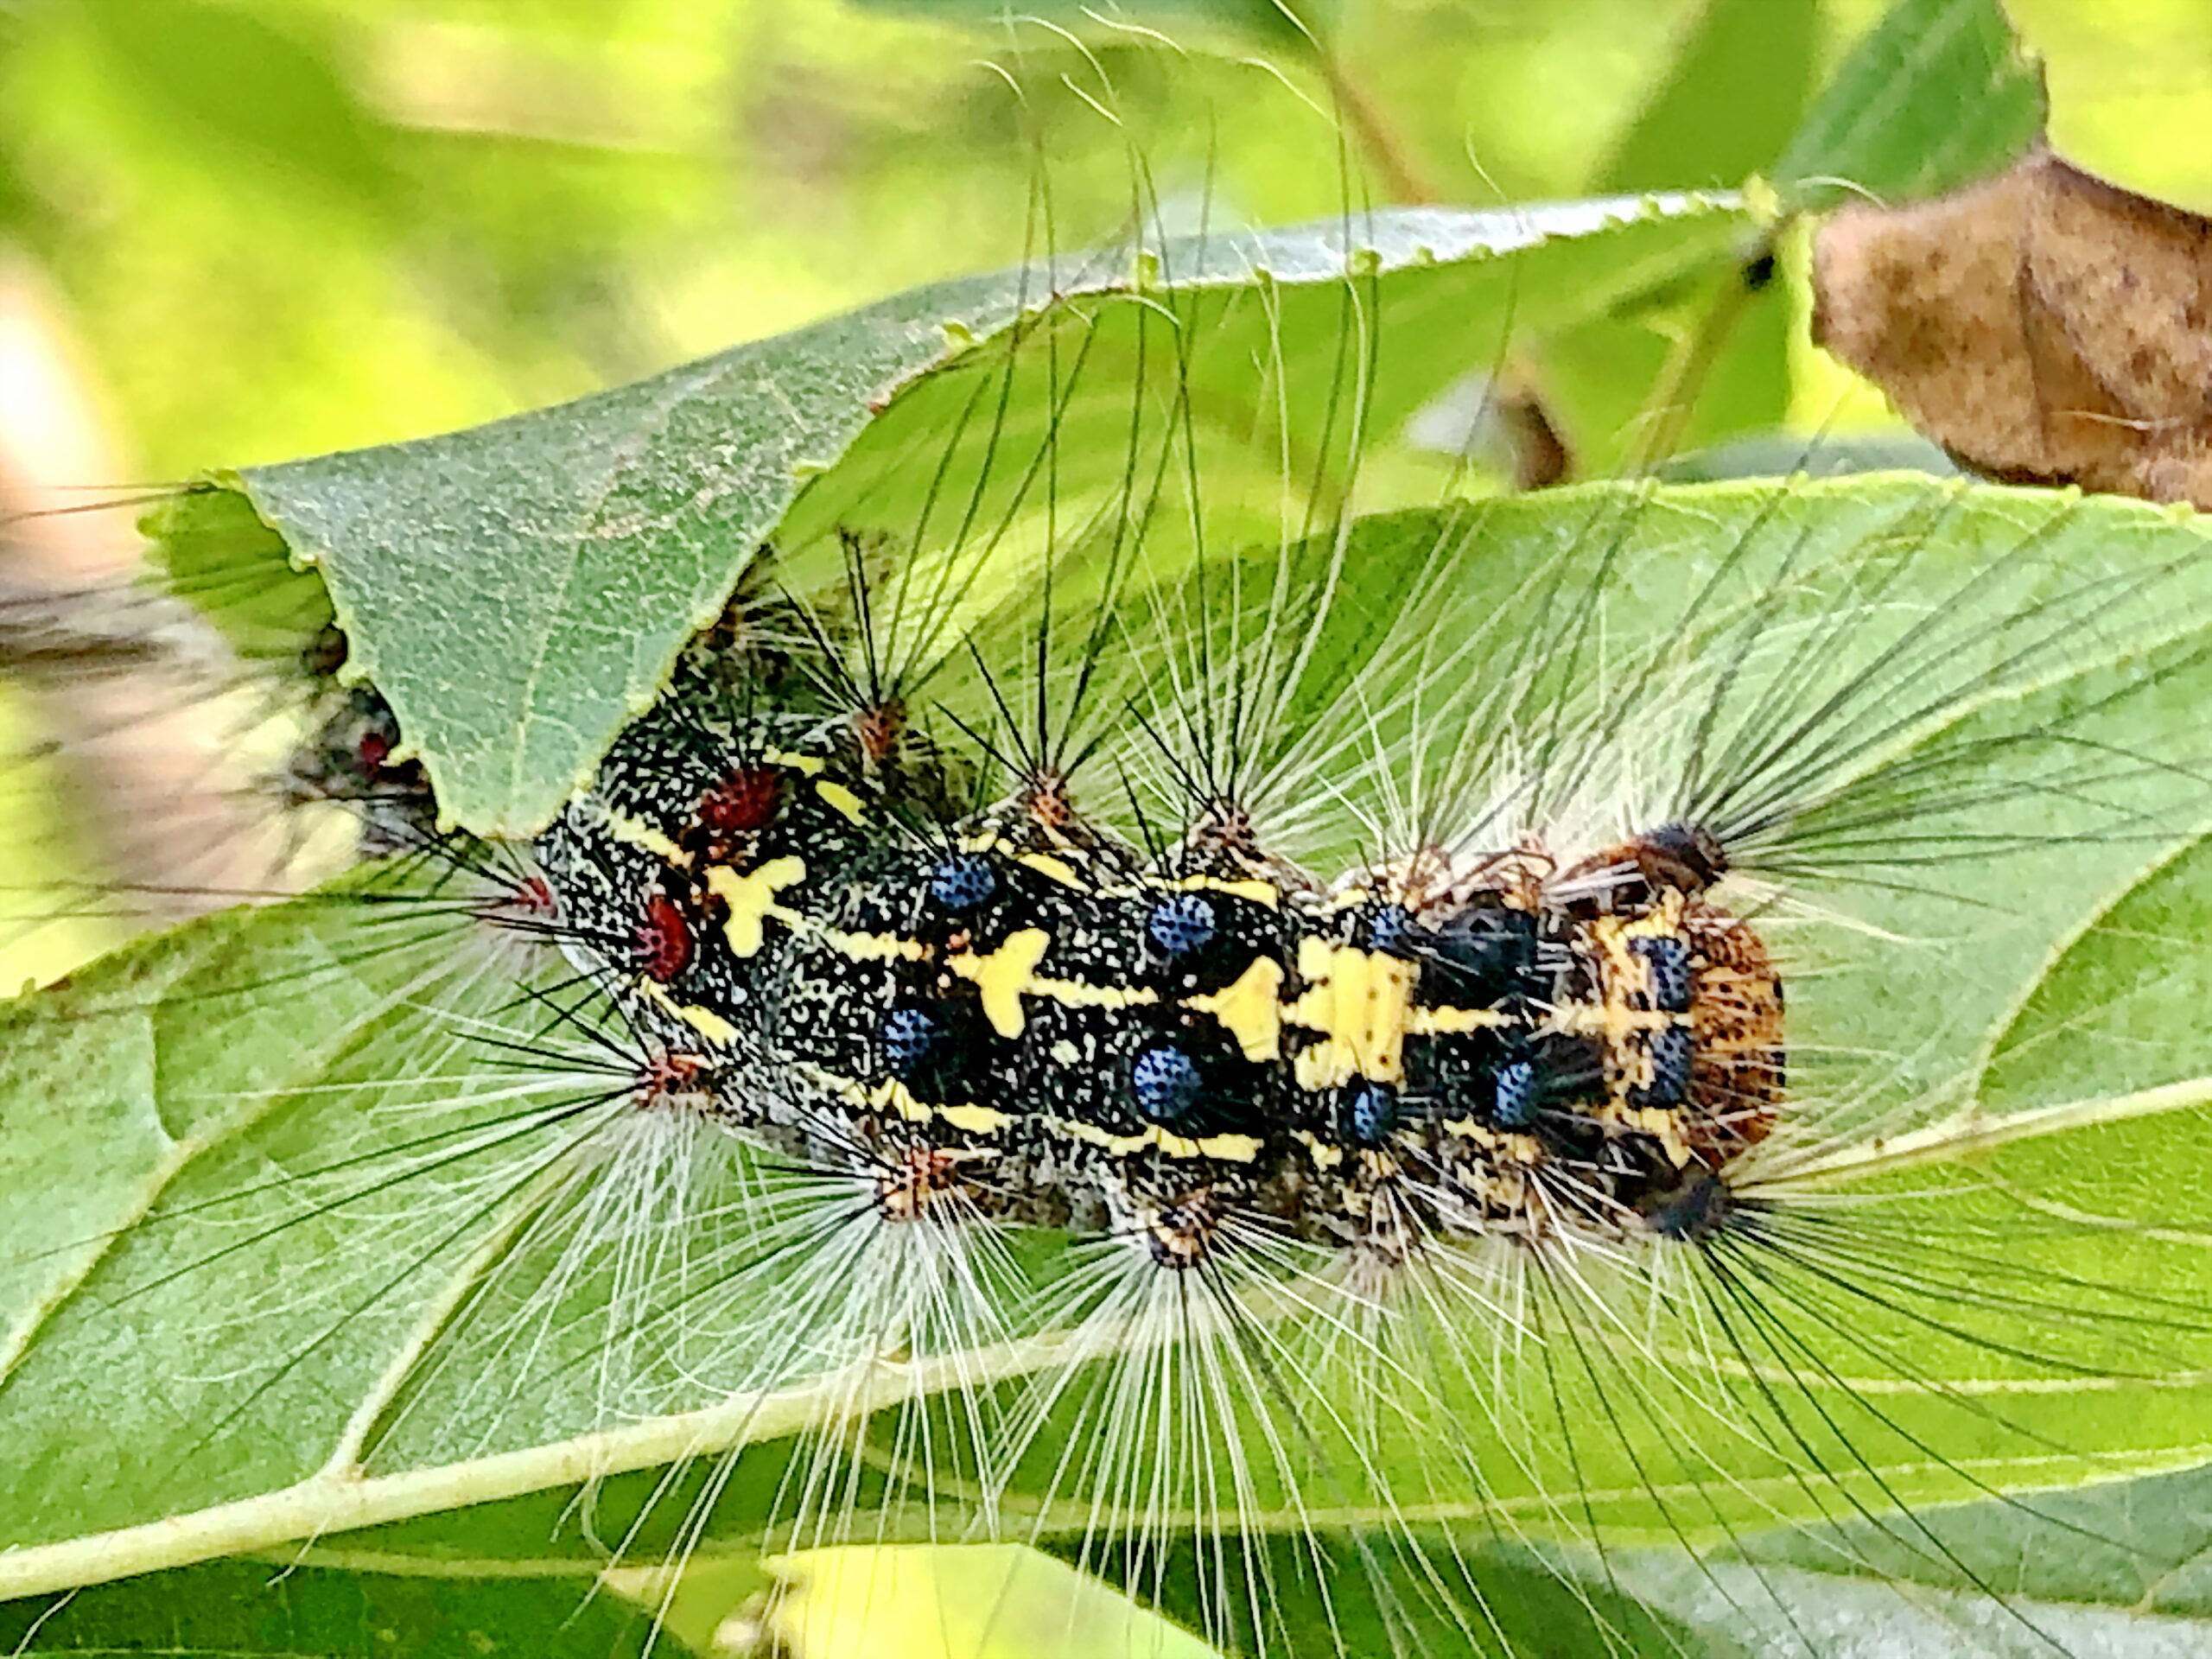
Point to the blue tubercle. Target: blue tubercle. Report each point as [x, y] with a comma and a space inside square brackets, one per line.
[1671, 1051]
[909, 1034]
[1165, 1082]
[1372, 1112]
[1515, 1106]
[1392, 930]
[1182, 924]
[1667, 960]
[963, 882]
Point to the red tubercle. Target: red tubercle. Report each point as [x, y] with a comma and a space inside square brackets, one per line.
[372, 751]
[533, 896]
[743, 802]
[666, 1073]
[1046, 801]
[664, 940]
[879, 729]
[522, 901]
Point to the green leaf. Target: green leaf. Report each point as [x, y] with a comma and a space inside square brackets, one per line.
[1935, 97]
[292, 1239]
[2098, 1016]
[279, 1215]
[1327, 1596]
[1768, 455]
[2125, 1545]
[309, 1612]
[518, 591]
[1938, 95]
[2112, 1569]
[1633, 387]
[236, 571]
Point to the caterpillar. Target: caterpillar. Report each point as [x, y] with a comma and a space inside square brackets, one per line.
[1354, 1079]
[1221, 1035]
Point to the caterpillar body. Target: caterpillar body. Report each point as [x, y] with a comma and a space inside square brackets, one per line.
[1022, 1019]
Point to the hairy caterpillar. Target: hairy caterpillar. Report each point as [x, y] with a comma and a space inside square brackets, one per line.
[698, 1121]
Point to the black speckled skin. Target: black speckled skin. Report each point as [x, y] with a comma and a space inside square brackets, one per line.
[1018, 1009]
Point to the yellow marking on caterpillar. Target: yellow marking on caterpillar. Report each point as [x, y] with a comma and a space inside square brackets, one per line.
[1326, 1156]
[1252, 887]
[752, 899]
[1228, 1148]
[976, 1120]
[1051, 865]
[1001, 976]
[636, 832]
[1614, 1022]
[1259, 891]
[1054, 869]
[1622, 972]
[1662, 1123]
[873, 947]
[840, 799]
[1624, 978]
[1512, 1144]
[894, 1095]
[1447, 1022]
[1008, 974]
[1359, 1001]
[1249, 1008]
[705, 1021]
[1622, 975]
[1082, 993]
[806, 765]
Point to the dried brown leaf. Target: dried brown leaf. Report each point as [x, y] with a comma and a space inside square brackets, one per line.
[2044, 327]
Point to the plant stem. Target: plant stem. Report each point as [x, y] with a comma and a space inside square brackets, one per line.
[1384, 150]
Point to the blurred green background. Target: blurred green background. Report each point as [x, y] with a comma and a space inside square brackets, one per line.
[232, 232]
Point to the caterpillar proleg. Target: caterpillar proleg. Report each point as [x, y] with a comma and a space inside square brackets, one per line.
[1164, 978]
